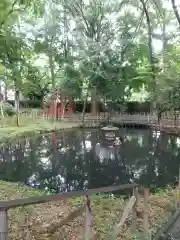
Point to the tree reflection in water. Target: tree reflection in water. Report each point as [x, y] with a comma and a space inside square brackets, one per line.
[76, 160]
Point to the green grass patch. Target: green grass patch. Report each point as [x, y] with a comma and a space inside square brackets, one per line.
[29, 127]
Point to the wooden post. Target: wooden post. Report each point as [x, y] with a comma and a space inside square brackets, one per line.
[124, 216]
[134, 210]
[146, 211]
[179, 179]
[3, 224]
[88, 220]
[177, 194]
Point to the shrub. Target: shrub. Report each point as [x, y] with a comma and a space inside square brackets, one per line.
[27, 103]
[9, 110]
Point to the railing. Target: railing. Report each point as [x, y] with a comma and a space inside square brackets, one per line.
[167, 119]
[88, 234]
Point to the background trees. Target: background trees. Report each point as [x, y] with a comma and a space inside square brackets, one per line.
[104, 50]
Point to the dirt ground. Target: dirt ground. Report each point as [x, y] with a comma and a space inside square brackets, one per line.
[42, 222]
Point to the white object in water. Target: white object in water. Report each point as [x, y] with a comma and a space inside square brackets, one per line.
[117, 141]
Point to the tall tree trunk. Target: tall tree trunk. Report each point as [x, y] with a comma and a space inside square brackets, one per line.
[161, 107]
[2, 112]
[164, 41]
[94, 101]
[151, 59]
[0, 87]
[72, 103]
[5, 93]
[66, 45]
[104, 107]
[51, 66]
[84, 109]
[175, 11]
[63, 105]
[17, 96]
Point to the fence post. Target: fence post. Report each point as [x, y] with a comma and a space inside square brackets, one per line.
[134, 210]
[124, 215]
[88, 220]
[3, 224]
[146, 211]
[177, 194]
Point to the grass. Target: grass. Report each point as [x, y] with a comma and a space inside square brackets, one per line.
[29, 126]
[33, 222]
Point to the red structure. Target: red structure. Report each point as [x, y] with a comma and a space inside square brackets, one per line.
[62, 110]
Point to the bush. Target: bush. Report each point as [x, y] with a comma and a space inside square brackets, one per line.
[30, 104]
[8, 109]
[27, 103]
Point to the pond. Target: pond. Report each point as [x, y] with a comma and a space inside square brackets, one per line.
[75, 160]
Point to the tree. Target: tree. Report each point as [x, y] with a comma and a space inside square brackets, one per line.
[175, 9]
[95, 48]
[13, 56]
[95, 36]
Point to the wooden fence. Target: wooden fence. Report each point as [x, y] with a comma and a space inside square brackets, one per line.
[148, 119]
[88, 233]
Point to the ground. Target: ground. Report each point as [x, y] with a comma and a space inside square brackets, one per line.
[29, 126]
[41, 221]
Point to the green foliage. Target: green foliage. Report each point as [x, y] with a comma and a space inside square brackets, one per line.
[86, 46]
[167, 93]
[8, 109]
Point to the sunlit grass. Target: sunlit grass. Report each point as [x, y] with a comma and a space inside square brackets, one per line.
[29, 126]
[23, 120]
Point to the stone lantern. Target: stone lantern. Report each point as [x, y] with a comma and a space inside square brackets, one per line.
[110, 132]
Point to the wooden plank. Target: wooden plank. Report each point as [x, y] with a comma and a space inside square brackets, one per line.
[125, 214]
[88, 220]
[3, 225]
[146, 211]
[134, 212]
[177, 196]
[51, 229]
[61, 196]
[179, 179]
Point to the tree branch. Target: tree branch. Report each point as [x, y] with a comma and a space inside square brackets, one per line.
[175, 11]
[12, 11]
[151, 60]
[9, 13]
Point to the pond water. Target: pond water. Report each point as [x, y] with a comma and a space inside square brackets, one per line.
[75, 160]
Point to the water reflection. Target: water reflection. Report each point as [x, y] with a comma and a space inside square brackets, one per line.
[76, 160]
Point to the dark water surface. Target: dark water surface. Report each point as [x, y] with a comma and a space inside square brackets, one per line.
[75, 160]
